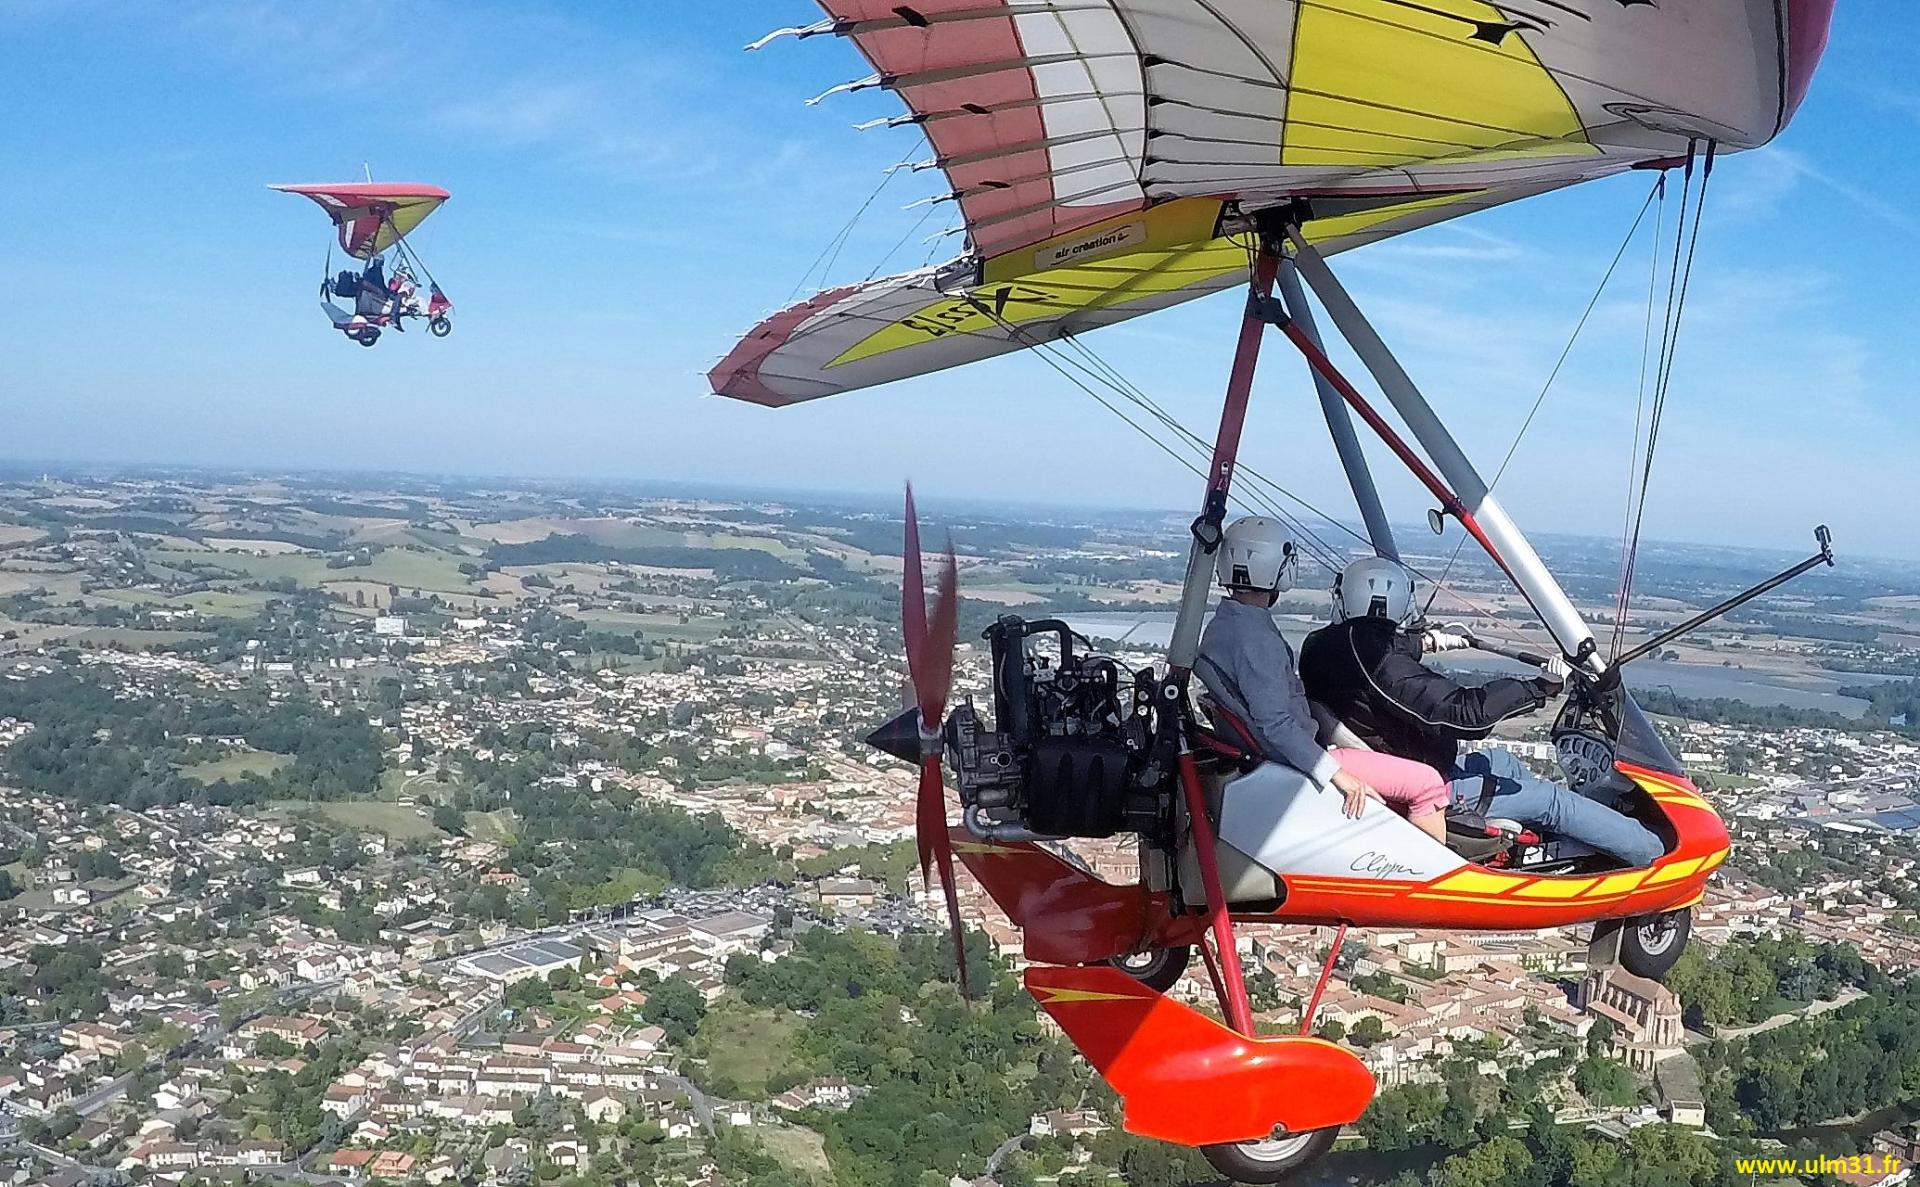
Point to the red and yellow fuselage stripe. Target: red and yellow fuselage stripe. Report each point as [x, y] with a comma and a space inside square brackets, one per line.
[1477, 897]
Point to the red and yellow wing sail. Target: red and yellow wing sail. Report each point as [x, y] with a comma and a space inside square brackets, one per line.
[372, 216]
[1092, 145]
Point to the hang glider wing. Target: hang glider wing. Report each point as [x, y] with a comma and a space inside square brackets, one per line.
[372, 216]
[1093, 146]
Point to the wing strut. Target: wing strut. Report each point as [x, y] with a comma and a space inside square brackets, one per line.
[1185, 644]
[1339, 424]
[1473, 504]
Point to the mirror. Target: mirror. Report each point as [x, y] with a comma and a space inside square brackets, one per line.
[1437, 520]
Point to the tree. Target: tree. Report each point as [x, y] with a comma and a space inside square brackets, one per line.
[529, 993]
[676, 1007]
[1492, 1163]
[1368, 1031]
[1606, 1082]
[448, 819]
[1600, 1037]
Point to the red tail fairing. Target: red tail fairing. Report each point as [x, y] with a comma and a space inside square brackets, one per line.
[1184, 1077]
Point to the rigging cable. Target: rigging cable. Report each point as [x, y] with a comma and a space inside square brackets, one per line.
[1553, 375]
[1101, 371]
[1140, 399]
[1640, 402]
[1327, 554]
[830, 254]
[1330, 556]
[1664, 378]
[1066, 367]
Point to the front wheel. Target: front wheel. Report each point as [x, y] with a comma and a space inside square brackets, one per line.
[1649, 944]
[1157, 968]
[440, 326]
[1271, 1160]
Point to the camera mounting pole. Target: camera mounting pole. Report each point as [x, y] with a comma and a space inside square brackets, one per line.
[1821, 536]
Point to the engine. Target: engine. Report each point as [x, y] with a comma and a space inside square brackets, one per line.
[1074, 750]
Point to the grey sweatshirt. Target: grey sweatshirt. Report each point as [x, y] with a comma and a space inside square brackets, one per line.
[1246, 664]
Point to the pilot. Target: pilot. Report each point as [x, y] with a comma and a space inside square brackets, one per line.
[1365, 668]
[1248, 667]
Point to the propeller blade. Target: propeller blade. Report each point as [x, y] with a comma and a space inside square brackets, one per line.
[929, 646]
[930, 828]
[933, 678]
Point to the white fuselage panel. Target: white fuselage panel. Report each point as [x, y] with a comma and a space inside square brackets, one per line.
[1276, 816]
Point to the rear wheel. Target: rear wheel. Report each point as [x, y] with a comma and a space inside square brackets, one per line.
[367, 337]
[440, 326]
[1649, 944]
[1271, 1160]
[1157, 968]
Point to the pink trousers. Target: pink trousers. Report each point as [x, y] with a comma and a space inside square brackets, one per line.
[1413, 788]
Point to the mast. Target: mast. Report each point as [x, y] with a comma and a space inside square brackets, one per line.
[1503, 540]
[1185, 644]
[1340, 422]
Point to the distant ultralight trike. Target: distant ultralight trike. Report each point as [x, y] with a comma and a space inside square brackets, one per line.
[1111, 158]
[373, 219]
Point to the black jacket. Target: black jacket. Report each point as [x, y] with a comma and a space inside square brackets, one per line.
[1369, 674]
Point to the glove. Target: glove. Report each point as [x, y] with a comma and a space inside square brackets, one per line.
[1437, 640]
[1554, 674]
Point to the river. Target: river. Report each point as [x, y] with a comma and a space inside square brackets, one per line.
[1805, 688]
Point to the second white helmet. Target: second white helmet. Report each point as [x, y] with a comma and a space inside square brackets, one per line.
[1256, 553]
[1373, 588]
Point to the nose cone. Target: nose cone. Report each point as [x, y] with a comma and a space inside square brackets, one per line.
[899, 737]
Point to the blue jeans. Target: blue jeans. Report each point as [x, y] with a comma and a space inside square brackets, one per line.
[1521, 795]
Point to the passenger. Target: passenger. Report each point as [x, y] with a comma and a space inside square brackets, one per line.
[1246, 664]
[1366, 669]
[402, 288]
[374, 296]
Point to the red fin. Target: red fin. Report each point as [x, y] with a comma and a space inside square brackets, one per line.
[1184, 1077]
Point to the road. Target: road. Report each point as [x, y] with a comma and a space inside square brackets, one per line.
[1812, 1009]
[92, 1102]
[1001, 1151]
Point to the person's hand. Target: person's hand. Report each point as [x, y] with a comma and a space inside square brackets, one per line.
[1556, 672]
[1356, 792]
[1438, 640]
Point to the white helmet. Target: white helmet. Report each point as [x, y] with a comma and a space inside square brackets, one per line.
[1256, 554]
[1372, 588]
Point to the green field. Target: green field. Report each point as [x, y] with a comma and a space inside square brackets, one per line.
[394, 822]
[424, 788]
[799, 1148]
[746, 1045]
[237, 764]
[766, 544]
[208, 603]
[661, 628]
[428, 571]
[498, 826]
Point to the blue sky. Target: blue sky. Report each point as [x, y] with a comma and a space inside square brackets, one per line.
[631, 191]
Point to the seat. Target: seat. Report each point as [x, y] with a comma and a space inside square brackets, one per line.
[1333, 731]
[1470, 833]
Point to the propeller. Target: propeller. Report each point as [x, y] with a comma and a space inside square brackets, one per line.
[930, 640]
